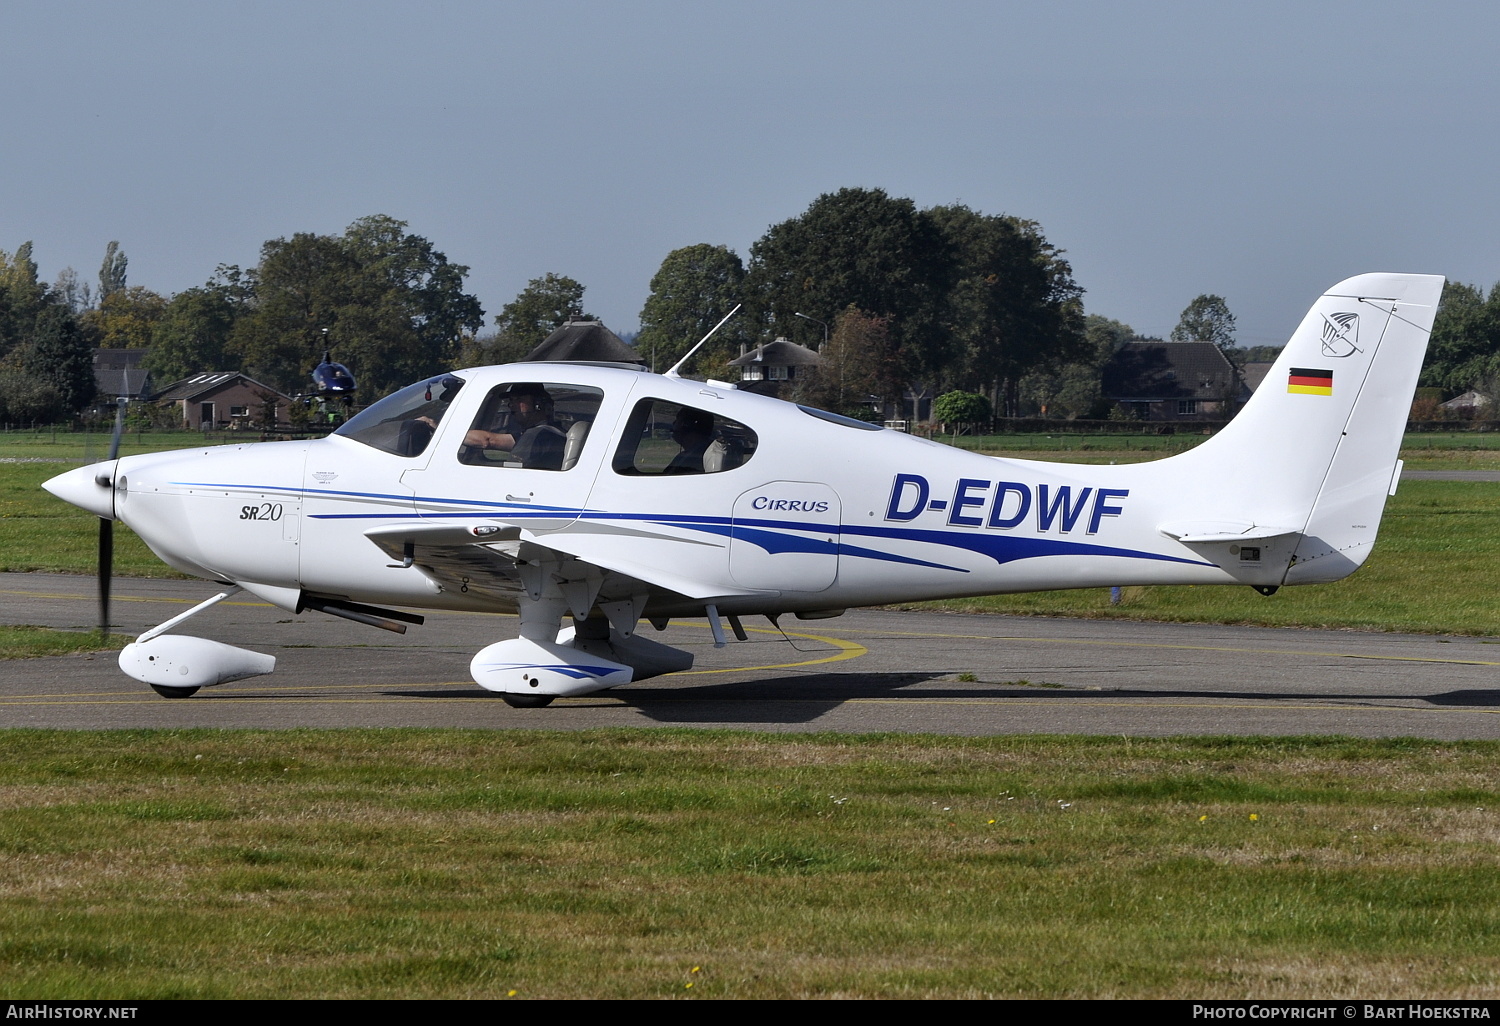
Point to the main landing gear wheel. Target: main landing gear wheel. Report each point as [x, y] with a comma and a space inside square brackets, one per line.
[167, 692]
[527, 701]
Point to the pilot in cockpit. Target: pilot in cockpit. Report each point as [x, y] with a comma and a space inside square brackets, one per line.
[530, 437]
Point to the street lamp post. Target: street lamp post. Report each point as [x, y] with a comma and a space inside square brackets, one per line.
[816, 321]
[820, 351]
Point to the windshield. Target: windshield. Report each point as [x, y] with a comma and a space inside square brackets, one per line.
[403, 422]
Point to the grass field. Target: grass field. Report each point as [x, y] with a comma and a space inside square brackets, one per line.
[663, 863]
[41, 533]
[27, 642]
[667, 863]
[47, 443]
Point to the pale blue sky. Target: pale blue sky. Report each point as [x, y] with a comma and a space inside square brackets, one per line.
[1260, 151]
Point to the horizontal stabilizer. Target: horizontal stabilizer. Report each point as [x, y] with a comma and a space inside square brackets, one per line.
[1221, 531]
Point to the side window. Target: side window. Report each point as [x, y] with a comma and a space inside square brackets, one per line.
[668, 438]
[531, 425]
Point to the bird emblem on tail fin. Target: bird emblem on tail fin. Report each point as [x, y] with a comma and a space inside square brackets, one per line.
[1341, 335]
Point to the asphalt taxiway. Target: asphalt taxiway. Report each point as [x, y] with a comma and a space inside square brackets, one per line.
[869, 670]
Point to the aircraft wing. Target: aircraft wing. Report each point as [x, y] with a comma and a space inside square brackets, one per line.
[498, 561]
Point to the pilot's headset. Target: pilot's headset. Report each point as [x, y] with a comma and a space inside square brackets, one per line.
[538, 393]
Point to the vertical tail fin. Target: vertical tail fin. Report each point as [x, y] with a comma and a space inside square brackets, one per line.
[1315, 449]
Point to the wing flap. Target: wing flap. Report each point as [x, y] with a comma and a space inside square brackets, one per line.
[599, 551]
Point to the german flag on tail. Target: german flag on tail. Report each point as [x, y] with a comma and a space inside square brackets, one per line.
[1304, 381]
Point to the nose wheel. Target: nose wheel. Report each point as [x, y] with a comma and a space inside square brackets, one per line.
[167, 692]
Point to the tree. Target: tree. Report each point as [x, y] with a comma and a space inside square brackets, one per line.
[861, 363]
[691, 292]
[404, 267]
[543, 306]
[1206, 319]
[194, 332]
[59, 355]
[393, 305]
[112, 272]
[124, 319]
[302, 283]
[859, 248]
[22, 297]
[46, 368]
[1074, 389]
[25, 399]
[1465, 346]
[71, 292]
[961, 409]
[1014, 308]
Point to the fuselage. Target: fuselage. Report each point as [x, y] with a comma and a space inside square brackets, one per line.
[814, 512]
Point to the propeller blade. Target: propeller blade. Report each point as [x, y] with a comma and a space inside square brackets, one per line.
[106, 570]
[114, 442]
[107, 526]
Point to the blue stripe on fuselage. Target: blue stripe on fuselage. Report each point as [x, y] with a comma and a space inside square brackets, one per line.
[769, 535]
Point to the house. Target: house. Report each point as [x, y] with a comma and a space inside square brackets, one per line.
[1252, 374]
[118, 372]
[1169, 381]
[224, 399]
[765, 368]
[1470, 404]
[583, 340]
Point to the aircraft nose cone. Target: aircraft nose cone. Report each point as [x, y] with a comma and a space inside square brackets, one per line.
[81, 487]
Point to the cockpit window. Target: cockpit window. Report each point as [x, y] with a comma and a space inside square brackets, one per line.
[403, 422]
[531, 425]
[668, 438]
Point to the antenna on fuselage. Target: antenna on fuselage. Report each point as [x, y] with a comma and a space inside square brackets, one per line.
[676, 366]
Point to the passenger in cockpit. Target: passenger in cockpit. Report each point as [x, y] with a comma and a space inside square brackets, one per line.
[694, 431]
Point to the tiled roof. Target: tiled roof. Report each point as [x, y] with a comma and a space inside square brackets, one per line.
[781, 353]
[196, 385]
[115, 381]
[583, 340]
[1170, 370]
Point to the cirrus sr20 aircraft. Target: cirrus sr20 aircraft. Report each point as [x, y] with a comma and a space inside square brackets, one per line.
[603, 495]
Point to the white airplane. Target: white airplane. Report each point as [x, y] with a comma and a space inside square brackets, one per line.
[608, 495]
